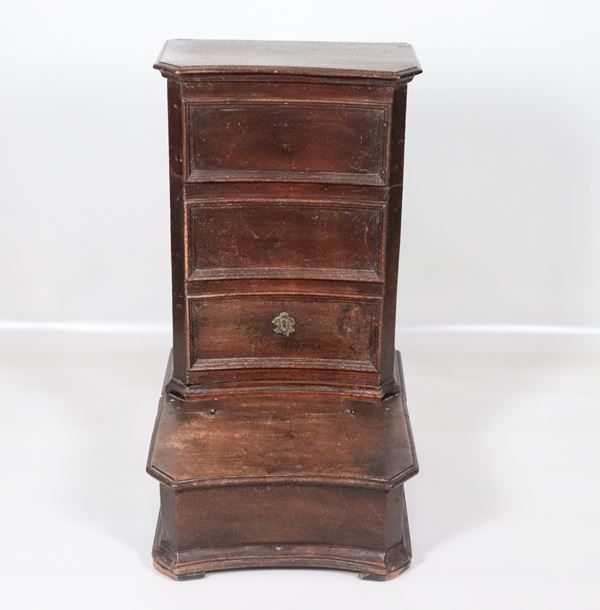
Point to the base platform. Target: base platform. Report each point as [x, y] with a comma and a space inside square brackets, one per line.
[282, 480]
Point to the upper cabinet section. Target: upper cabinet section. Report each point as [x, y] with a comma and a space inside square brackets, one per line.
[201, 58]
[329, 113]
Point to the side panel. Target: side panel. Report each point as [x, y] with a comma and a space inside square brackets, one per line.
[178, 240]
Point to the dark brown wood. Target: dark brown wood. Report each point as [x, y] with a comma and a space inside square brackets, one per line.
[282, 437]
[383, 60]
[267, 437]
[295, 141]
[208, 519]
[282, 481]
[370, 563]
[237, 332]
[267, 239]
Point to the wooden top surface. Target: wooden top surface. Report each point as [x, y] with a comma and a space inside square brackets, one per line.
[342, 59]
[280, 438]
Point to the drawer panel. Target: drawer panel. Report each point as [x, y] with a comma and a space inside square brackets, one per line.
[284, 240]
[290, 142]
[281, 331]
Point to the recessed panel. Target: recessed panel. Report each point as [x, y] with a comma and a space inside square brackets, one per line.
[291, 142]
[282, 240]
[281, 331]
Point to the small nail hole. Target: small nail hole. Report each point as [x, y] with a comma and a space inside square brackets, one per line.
[212, 411]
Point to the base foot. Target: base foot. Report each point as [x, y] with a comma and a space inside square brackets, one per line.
[174, 576]
[384, 577]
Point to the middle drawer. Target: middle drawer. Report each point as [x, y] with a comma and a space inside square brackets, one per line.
[284, 239]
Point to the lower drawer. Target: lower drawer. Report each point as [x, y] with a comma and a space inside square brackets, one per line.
[281, 331]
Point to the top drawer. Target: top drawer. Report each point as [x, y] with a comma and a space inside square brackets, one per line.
[295, 141]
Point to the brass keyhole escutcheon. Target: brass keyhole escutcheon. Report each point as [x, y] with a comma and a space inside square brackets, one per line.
[284, 324]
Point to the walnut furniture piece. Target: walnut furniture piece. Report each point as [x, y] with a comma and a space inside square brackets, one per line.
[282, 437]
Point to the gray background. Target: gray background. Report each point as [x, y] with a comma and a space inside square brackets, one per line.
[501, 213]
[498, 316]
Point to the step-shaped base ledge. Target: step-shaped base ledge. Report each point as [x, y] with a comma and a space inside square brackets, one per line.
[283, 438]
[282, 480]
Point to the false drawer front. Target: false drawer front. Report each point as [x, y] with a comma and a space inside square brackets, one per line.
[285, 240]
[293, 141]
[283, 331]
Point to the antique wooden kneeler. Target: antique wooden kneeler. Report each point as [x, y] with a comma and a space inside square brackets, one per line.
[282, 437]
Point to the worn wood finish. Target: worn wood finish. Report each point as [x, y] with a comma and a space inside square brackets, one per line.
[257, 514]
[333, 59]
[267, 239]
[331, 333]
[269, 437]
[295, 141]
[282, 437]
[353, 233]
[283, 481]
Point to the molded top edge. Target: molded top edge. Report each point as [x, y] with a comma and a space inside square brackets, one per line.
[388, 61]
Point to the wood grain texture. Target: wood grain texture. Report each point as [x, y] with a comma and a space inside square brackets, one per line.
[278, 480]
[282, 437]
[234, 240]
[382, 547]
[346, 235]
[267, 438]
[364, 60]
[287, 142]
[238, 332]
[249, 89]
